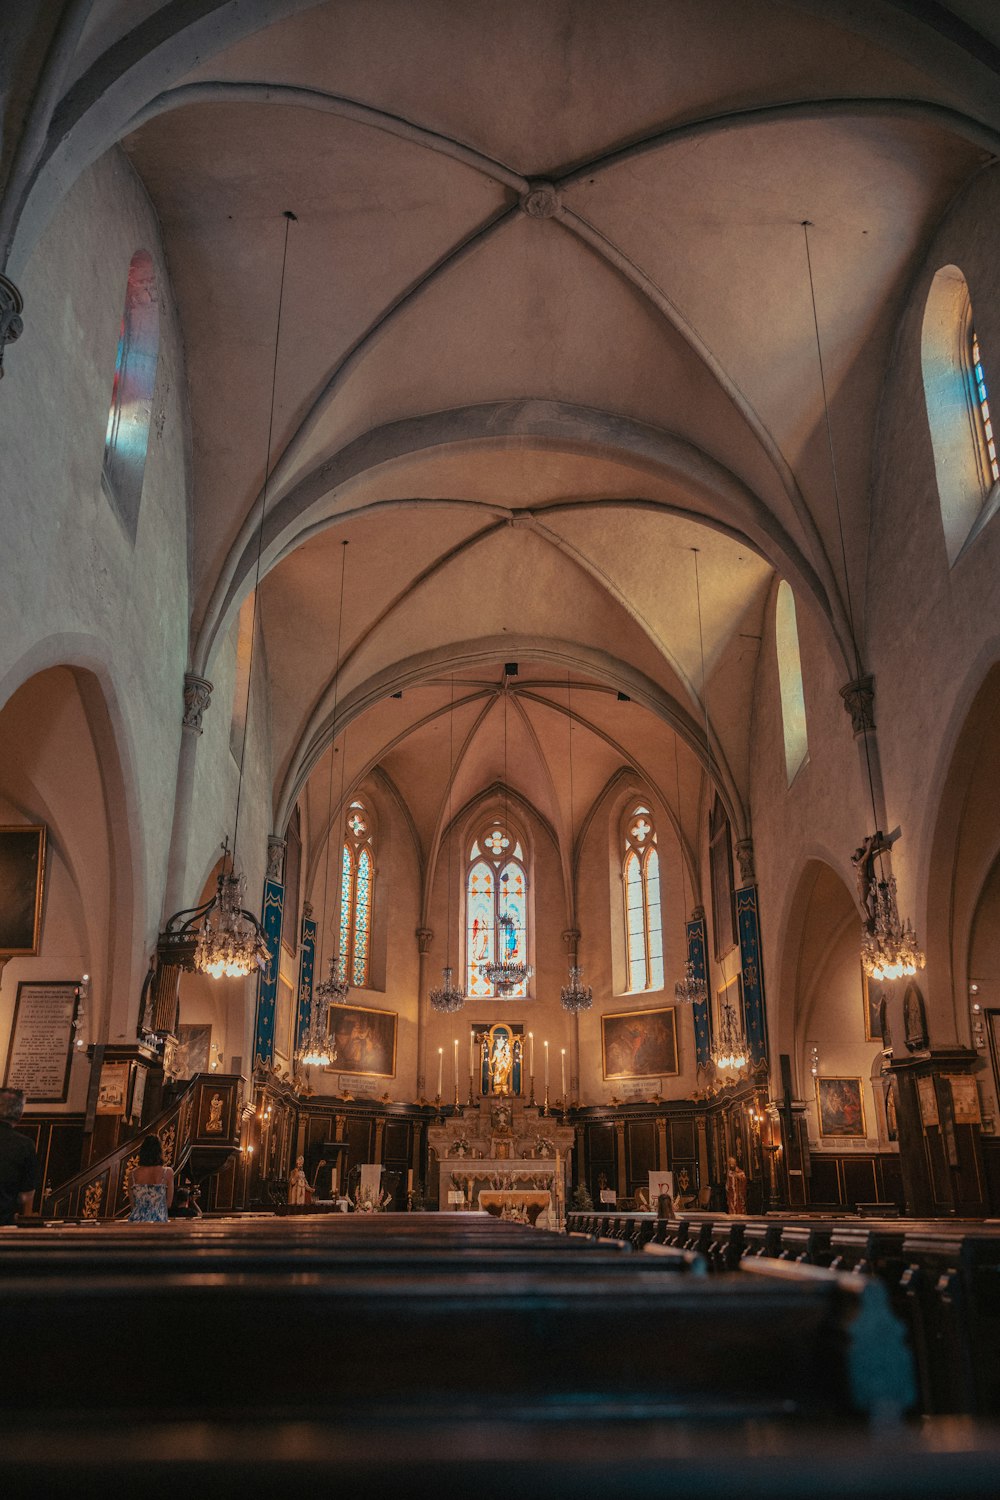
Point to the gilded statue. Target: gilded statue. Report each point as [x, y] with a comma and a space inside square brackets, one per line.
[501, 1064]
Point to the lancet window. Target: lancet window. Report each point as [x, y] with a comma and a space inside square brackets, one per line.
[643, 910]
[496, 907]
[357, 889]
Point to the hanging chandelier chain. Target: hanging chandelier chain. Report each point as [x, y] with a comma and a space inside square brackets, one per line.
[335, 987]
[290, 218]
[806, 226]
[449, 997]
[576, 995]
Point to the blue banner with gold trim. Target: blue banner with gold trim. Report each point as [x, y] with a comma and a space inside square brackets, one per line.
[696, 947]
[754, 1016]
[307, 961]
[267, 983]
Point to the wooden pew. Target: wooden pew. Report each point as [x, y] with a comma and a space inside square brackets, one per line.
[416, 1335]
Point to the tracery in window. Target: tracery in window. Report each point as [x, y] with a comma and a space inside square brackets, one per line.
[958, 411]
[496, 907]
[357, 886]
[643, 911]
[793, 703]
[127, 437]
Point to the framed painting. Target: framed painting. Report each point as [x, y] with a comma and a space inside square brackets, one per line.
[364, 1040]
[841, 1108]
[872, 998]
[22, 876]
[640, 1043]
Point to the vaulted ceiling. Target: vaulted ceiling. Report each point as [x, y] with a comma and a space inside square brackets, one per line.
[546, 328]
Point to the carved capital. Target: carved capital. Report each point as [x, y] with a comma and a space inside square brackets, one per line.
[697, 914]
[275, 857]
[571, 937]
[541, 201]
[197, 697]
[425, 936]
[11, 322]
[307, 911]
[859, 701]
[744, 853]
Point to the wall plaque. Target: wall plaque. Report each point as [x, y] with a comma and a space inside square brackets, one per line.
[41, 1040]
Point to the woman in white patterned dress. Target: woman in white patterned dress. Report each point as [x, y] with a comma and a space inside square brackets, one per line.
[151, 1186]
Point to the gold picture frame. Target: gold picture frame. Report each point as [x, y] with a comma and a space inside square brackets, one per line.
[873, 1032]
[22, 883]
[364, 1040]
[640, 1043]
[840, 1103]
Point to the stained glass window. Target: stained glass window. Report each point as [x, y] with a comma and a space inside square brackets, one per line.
[643, 912]
[983, 402]
[357, 885]
[496, 908]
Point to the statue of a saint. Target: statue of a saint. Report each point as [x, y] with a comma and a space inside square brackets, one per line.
[736, 1187]
[501, 1064]
[298, 1187]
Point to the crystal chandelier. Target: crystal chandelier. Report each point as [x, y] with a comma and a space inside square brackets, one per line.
[730, 1051]
[447, 997]
[230, 941]
[690, 990]
[504, 974]
[576, 996]
[888, 946]
[334, 989]
[315, 1050]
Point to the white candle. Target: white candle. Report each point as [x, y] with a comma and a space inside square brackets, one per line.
[456, 1065]
[562, 1074]
[440, 1070]
[546, 1046]
[531, 1053]
[472, 1053]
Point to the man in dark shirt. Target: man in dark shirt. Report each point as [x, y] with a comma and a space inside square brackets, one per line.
[18, 1163]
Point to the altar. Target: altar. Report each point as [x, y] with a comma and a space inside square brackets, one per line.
[504, 1155]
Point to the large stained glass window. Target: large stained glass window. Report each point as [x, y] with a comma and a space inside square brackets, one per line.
[496, 908]
[357, 886]
[643, 914]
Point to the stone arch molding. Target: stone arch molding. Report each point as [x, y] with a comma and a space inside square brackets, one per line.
[567, 656]
[329, 496]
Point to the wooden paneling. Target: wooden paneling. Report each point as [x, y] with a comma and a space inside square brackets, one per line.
[641, 1152]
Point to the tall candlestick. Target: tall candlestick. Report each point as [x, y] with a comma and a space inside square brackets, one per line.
[562, 1074]
[472, 1053]
[546, 1046]
[531, 1053]
[440, 1070]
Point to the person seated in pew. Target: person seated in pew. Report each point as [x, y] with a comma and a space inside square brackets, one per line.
[151, 1185]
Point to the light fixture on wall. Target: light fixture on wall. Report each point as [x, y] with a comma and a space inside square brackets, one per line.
[889, 948]
[505, 975]
[449, 997]
[334, 989]
[576, 995]
[230, 940]
[691, 990]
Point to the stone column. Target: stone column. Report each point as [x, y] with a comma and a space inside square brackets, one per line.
[859, 702]
[425, 938]
[197, 697]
